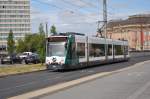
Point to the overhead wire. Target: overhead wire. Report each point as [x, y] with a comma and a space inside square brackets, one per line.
[71, 10]
[66, 8]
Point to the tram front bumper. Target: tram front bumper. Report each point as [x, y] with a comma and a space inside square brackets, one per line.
[55, 67]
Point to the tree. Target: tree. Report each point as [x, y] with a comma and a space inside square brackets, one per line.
[10, 43]
[20, 46]
[34, 43]
[53, 30]
[41, 48]
[41, 45]
[41, 29]
[29, 43]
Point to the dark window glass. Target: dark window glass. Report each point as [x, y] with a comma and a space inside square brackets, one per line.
[96, 50]
[109, 49]
[81, 50]
[118, 50]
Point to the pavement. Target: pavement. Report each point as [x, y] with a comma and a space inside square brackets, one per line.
[132, 83]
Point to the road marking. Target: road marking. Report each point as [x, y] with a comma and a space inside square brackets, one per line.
[65, 85]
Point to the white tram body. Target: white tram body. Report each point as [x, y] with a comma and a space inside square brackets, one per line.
[76, 51]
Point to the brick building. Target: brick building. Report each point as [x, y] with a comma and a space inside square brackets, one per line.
[135, 29]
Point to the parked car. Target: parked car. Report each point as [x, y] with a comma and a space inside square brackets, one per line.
[25, 54]
[33, 58]
[11, 59]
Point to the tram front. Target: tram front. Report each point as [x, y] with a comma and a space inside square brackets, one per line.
[56, 52]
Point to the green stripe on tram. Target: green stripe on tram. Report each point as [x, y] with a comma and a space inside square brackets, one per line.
[71, 56]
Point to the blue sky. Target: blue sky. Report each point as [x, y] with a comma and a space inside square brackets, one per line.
[82, 15]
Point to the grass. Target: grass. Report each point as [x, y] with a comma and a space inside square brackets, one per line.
[19, 69]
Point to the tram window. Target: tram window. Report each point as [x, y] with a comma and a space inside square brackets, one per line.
[81, 50]
[96, 50]
[109, 49]
[118, 50]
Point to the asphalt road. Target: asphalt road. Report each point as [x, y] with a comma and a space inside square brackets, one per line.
[19, 84]
[133, 83]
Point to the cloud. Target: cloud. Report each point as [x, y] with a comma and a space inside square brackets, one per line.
[80, 3]
[70, 18]
[66, 21]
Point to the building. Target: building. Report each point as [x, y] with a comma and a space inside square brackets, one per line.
[135, 29]
[15, 16]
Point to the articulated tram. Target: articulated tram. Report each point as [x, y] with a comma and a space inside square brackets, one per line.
[76, 51]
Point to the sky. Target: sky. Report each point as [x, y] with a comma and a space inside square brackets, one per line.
[82, 16]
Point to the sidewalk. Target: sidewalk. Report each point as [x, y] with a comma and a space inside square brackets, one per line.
[133, 83]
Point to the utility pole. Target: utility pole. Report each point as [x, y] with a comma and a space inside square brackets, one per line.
[105, 17]
[105, 26]
[46, 35]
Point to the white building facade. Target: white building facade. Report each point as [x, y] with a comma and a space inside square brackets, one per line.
[15, 16]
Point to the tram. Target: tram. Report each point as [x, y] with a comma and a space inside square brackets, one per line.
[73, 51]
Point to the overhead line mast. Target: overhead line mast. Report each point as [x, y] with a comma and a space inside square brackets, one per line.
[105, 26]
[105, 17]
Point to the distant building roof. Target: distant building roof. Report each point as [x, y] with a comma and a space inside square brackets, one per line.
[134, 19]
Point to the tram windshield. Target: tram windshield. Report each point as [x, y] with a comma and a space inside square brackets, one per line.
[56, 49]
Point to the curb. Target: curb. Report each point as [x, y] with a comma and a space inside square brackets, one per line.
[9, 75]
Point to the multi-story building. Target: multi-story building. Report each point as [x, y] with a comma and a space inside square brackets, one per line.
[135, 29]
[15, 16]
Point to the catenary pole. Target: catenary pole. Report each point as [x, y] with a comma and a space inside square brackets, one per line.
[46, 37]
[105, 26]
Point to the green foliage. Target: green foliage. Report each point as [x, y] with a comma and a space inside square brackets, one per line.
[41, 47]
[21, 46]
[53, 30]
[33, 43]
[10, 43]
[28, 44]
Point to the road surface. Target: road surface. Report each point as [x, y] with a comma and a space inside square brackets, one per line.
[19, 84]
